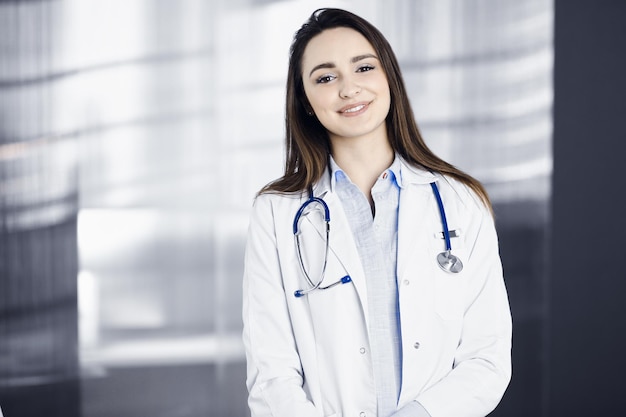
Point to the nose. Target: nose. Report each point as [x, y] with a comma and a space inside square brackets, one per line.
[349, 88]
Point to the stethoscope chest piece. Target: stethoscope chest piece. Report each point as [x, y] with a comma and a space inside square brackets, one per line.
[449, 263]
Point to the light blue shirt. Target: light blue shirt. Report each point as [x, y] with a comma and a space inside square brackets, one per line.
[376, 237]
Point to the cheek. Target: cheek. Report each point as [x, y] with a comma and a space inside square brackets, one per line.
[383, 86]
[385, 92]
[318, 100]
[309, 94]
[320, 97]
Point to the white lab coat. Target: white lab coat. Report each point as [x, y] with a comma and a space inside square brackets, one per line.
[309, 356]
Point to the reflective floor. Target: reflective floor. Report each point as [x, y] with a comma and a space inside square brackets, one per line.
[159, 391]
[167, 391]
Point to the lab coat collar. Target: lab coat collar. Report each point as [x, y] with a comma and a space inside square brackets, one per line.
[415, 175]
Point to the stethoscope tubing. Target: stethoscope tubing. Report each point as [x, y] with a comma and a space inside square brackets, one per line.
[446, 260]
[311, 200]
[442, 212]
[296, 234]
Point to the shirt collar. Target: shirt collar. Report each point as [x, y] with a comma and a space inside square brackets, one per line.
[404, 173]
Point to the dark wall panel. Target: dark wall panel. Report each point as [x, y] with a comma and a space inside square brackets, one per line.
[586, 362]
[38, 322]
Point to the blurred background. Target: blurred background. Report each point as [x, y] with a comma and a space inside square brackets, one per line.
[135, 133]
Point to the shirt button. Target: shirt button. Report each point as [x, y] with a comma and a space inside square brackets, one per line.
[384, 177]
[416, 345]
[362, 350]
[362, 414]
[406, 282]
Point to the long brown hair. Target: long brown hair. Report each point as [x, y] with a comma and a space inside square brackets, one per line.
[307, 141]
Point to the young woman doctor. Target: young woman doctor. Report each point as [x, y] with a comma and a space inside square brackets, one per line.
[373, 285]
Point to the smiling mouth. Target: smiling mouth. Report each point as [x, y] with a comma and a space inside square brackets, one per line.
[349, 110]
[354, 109]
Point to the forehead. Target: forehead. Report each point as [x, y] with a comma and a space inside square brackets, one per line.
[335, 45]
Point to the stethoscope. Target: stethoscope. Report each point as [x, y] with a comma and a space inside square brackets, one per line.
[446, 260]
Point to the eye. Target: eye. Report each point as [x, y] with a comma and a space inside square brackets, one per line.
[365, 68]
[325, 79]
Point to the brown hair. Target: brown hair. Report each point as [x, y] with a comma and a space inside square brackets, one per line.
[308, 142]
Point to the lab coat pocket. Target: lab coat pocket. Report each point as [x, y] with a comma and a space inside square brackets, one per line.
[449, 295]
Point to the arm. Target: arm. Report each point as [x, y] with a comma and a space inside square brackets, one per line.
[482, 364]
[275, 377]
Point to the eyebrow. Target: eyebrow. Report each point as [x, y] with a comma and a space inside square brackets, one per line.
[354, 60]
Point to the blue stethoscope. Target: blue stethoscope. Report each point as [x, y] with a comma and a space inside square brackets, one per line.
[446, 260]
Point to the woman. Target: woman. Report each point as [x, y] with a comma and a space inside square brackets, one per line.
[395, 317]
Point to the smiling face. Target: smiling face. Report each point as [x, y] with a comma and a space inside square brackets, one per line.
[345, 85]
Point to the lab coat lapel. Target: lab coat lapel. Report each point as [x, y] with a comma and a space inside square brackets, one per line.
[414, 217]
[343, 246]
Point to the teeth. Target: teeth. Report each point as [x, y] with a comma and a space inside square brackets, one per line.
[354, 109]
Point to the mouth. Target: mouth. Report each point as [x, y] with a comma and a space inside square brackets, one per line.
[354, 109]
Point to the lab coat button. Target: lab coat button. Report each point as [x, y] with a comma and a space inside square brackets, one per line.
[362, 414]
[362, 350]
[416, 345]
[406, 282]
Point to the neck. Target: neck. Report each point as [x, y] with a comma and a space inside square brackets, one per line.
[363, 161]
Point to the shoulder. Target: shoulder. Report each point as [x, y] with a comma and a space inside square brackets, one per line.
[271, 203]
[272, 198]
[460, 194]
